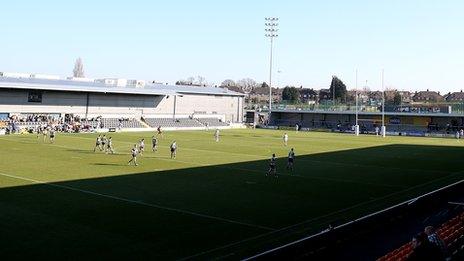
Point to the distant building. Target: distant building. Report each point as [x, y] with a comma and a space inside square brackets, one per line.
[406, 96]
[427, 96]
[454, 97]
[261, 95]
[308, 95]
[324, 95]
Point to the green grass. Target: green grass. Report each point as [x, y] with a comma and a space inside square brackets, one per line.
[62, 201]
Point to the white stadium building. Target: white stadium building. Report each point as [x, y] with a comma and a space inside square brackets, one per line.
[145, 104]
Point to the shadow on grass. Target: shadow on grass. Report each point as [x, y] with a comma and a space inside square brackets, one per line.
[178, 213]
[82, 151]
[109, 164]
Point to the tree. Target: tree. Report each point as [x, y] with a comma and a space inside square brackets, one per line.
[397, 99]
[78, 70]
[228, 83]
[190, 80]
[200, 81]
[290, 94]
[339, 87]
[247, 84]
[264, 85]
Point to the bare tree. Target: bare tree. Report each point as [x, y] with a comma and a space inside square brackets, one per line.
[190, 80]
[78, 70]
[201, 80]
[247, 84]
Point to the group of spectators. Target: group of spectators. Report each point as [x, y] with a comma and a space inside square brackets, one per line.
[34, 118]
[428, 245]
[66, 123]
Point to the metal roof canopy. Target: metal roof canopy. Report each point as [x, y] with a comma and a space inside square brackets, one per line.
[75, 86]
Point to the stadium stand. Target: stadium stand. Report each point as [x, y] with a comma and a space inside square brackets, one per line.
[451, 232]
[171, 123]
[212, 122]
[370, 237]
[113, 123]
[34, 121]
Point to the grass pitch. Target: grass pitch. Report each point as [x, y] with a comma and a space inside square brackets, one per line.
[63, 201]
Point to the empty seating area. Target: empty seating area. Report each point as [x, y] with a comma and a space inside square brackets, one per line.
[29, 125]
[113, 123]
[172, 123]
[212, 122]
[124, 123]
[452, 233]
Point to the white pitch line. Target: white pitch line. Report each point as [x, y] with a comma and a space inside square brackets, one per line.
[138, 202]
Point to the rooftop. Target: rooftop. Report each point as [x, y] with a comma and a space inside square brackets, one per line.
[101, 87]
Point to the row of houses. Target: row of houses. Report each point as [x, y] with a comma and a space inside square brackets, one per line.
[311, 96]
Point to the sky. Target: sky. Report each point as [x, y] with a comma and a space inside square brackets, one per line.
[419, 44]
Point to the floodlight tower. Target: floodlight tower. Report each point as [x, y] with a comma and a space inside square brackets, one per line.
[383, 129]
[356, 126]
[271, 28]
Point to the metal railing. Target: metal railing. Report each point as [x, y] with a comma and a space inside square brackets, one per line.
[456, 108]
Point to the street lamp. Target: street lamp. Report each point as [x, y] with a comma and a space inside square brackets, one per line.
[271, 28]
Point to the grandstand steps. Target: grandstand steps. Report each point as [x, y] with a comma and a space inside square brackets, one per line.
[143, 123]
[199, 122]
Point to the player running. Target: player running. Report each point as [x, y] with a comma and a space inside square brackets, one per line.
[104, 140]
[134, 153]
[38, 131]
[173, 148]
[98, 143]
[160, 132]
[290, 160]
[141, 146]
[285, 139]
[45, 133]
[272, 166]
[52, 135]
[109, 146]
[154, 144]
[216, 135]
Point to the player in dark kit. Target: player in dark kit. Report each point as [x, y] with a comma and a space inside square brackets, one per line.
[154, 142]
[272, 167]
[97, 144]
[104, 140]
[291, 159]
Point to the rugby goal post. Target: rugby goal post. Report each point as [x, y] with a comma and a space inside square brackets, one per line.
[382, 128]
